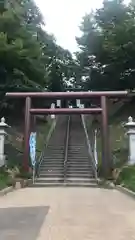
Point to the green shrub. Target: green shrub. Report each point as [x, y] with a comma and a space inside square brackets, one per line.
[127, 177]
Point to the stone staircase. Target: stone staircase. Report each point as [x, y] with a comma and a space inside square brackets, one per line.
[78, 169]
[51, 171]
[79, 166]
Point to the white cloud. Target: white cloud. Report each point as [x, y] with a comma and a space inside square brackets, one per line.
[63, 17]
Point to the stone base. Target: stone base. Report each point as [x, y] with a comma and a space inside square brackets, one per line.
[21, 183]
[2, 160]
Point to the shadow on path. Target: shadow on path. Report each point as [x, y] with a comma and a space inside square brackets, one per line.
[22, 223]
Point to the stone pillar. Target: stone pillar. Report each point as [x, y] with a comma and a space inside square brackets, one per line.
[58, 103]
[78, 102]
[131, 136]
[3, 125]
[81, 106]
[53, 107]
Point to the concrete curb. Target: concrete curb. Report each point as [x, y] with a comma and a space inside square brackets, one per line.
[106, 184]
[125, 191]
[6, 190]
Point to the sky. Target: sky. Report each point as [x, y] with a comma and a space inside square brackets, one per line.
[63, 17]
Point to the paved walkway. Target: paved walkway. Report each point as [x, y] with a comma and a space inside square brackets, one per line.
[67, 214]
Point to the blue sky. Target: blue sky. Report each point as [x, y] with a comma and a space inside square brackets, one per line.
[63, 18]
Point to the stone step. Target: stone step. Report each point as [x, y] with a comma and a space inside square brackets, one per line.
[81, 184]
[54, 150]
[54, 162]
[54, 155]
[55, 174]
[52, 168]
[79, 170]
[51, 175]
[79, 179]
[51, 171]
[74, 171]
[49, 151]
[77, 146]
[79, 158]
[65, 184]
[84, 151]
[57, 145]
[78, 155]
[50, 180]
[76, 175]
[80, 164]
[45, 184]
[53, 159]
[79, 161]
[78, 150]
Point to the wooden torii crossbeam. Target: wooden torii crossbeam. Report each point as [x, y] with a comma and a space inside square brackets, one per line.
[28, 96]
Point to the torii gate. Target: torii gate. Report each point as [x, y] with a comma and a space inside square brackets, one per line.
[28, 96]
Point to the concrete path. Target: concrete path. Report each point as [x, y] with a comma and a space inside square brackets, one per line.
[67, 214]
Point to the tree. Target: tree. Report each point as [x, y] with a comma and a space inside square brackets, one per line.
[30, 59]
[107, 47]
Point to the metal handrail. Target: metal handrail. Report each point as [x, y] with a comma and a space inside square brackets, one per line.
[95, 147]
[66, 147]
[89, 147]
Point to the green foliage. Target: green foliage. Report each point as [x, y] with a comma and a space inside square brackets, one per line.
[19, 51]
[4, 178]
[30, 59]
[107, 47]
[127, 177]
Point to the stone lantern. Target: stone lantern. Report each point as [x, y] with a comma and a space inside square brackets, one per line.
[3, 126]
[130, 126]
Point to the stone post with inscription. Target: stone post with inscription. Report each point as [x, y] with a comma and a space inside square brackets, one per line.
[59, 103]
[78, 102]
[130, 125]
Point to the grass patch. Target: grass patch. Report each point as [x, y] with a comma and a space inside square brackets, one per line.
[8, 176]
[127, 177]
[4, 180]
[14, 151]
[118, 142]
[122, 174]
[42, 132]
[14, 142]
[118, 138]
